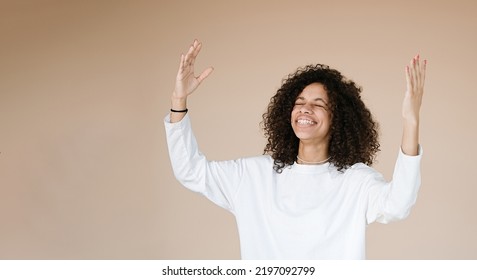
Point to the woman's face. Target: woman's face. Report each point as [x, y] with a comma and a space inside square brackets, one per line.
[311, 116]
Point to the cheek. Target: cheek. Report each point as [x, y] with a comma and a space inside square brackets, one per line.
[325, 117]
[322, 114]
[293, 115]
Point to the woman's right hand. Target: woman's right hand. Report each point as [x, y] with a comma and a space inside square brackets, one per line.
[186, 81]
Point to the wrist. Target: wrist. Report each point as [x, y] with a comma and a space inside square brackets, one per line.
[410, 116]
[411, 122]
[178, 103]
[410, 137]
[178, 109]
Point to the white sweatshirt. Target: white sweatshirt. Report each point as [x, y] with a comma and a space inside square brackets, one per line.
[305, 212]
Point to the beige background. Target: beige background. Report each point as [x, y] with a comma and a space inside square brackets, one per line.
[84, 87]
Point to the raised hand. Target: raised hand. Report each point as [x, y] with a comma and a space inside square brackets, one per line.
[186, 81]
[415, 77]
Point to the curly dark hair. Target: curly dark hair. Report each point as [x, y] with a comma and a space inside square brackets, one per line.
[353, 132]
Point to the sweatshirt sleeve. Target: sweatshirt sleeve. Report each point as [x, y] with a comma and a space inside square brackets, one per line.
[217, 180]
[391, 201]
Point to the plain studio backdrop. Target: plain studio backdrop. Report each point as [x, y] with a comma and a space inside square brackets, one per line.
[85, 86]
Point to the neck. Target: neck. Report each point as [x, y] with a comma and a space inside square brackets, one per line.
[312, 153]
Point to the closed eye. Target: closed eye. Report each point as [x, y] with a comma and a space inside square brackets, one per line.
[322, 106]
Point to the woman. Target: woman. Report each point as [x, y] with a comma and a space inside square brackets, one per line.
[313, 193]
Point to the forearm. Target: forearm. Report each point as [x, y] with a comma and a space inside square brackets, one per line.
[393, 201]
[217, 180]
[187, 162]
[410, 138]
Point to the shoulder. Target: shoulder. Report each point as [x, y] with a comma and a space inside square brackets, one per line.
[361, 171]
[258, 161]
[256, 166]
[361, 168]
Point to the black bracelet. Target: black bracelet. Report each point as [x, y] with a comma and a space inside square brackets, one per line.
[180, 111]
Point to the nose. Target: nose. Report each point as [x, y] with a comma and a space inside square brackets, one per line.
[306, 109]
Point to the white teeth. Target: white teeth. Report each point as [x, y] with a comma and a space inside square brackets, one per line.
[305, 122]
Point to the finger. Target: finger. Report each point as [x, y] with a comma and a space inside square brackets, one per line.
[205, 74]
[418, 70]
[188, 56]
[411, 75]
[423, 73]
[408, 79]
[181, 64]
[195, 53]
[197, 47]
[414, 73]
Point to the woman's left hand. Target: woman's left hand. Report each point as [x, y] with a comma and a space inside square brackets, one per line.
[415, 76]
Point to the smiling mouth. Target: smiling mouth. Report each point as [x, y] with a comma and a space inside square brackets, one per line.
[305, 122]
